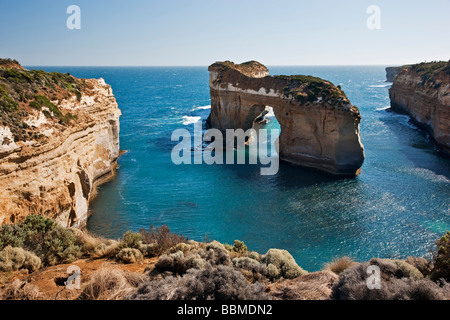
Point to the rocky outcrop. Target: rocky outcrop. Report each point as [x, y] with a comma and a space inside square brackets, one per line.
[392, 72]
[423, 92]
[58, 142]
[319, 125]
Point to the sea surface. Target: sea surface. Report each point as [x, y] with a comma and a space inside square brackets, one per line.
[398, 206]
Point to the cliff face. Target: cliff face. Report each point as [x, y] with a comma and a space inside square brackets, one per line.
[392, 72]
[319, 126]
[423, 93]
[59, 138]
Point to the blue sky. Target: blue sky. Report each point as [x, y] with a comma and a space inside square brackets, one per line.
[199, 32]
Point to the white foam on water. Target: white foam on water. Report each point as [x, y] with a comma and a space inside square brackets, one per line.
[380, 85]
[189, 120]
[429, 175]
[383, 108]
[201, 108]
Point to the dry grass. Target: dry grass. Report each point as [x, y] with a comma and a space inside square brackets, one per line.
[94, 246]
[339, 265]
[20, 290]
[313, 286]
[110, 284]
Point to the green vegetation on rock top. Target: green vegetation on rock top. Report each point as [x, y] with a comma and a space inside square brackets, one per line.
[429, 70]
[312, 88]
[21, 88]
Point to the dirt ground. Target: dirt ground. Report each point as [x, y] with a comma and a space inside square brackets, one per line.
[50, 281]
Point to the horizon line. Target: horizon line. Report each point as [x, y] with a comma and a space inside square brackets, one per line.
[188, 66]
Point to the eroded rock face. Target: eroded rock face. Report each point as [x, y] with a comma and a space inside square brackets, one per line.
[392, 72]
[319, 125]
[423, 92]
[57, 175]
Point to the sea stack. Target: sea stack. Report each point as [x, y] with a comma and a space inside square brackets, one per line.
[319, 125]
[59, 139]
[422, 91]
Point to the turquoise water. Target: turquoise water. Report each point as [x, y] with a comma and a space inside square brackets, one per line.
[397, 207]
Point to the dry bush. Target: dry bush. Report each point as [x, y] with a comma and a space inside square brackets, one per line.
[215, 253]
[339, 265]
[20, 290]
[313, 286]
[130, 255]
[397, 282]
[110, 284]
[252, 269]
[211, 283]
[406, 270]
[162, 237]
[94, 246]
[12, 259]
[280, 263]
[179, 262]
[422, 264]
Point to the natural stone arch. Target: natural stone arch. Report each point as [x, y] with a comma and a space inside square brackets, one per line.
[319, 125]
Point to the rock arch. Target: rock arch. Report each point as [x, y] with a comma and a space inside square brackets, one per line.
[319, 125]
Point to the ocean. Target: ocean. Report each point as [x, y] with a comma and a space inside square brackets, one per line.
[397, 207]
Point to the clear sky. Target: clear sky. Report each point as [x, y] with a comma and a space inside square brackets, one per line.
[199, 32]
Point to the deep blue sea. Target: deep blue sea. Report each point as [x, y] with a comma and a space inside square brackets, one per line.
[398, 206]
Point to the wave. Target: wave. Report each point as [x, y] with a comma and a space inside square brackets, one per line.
[189, 120]
[201, 108]
[380, 85]
[383, 108]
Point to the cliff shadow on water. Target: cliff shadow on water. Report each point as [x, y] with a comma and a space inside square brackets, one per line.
[416, 144]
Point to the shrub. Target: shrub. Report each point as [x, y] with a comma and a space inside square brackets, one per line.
[395, 284]
[32, 262]
[212, 283]
[149, 250]
[93, 246]
[178, 263]
[12, 259]
[313, 286]
[238, 247]
[6, 102]
[216, 254]
[422, 264]
[252, 269]
[442, 259]
[162, 237]
[11, 235]
[20, 290]
[110, 284]
[407, 270]
[130, 240]
[129, 255]
[254, 255]
[283, 264]
[340, 264]
[52, 243]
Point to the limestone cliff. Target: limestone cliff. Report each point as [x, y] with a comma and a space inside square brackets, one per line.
[59, 138]
[392, 72]
[423, 92]
[319, 125]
